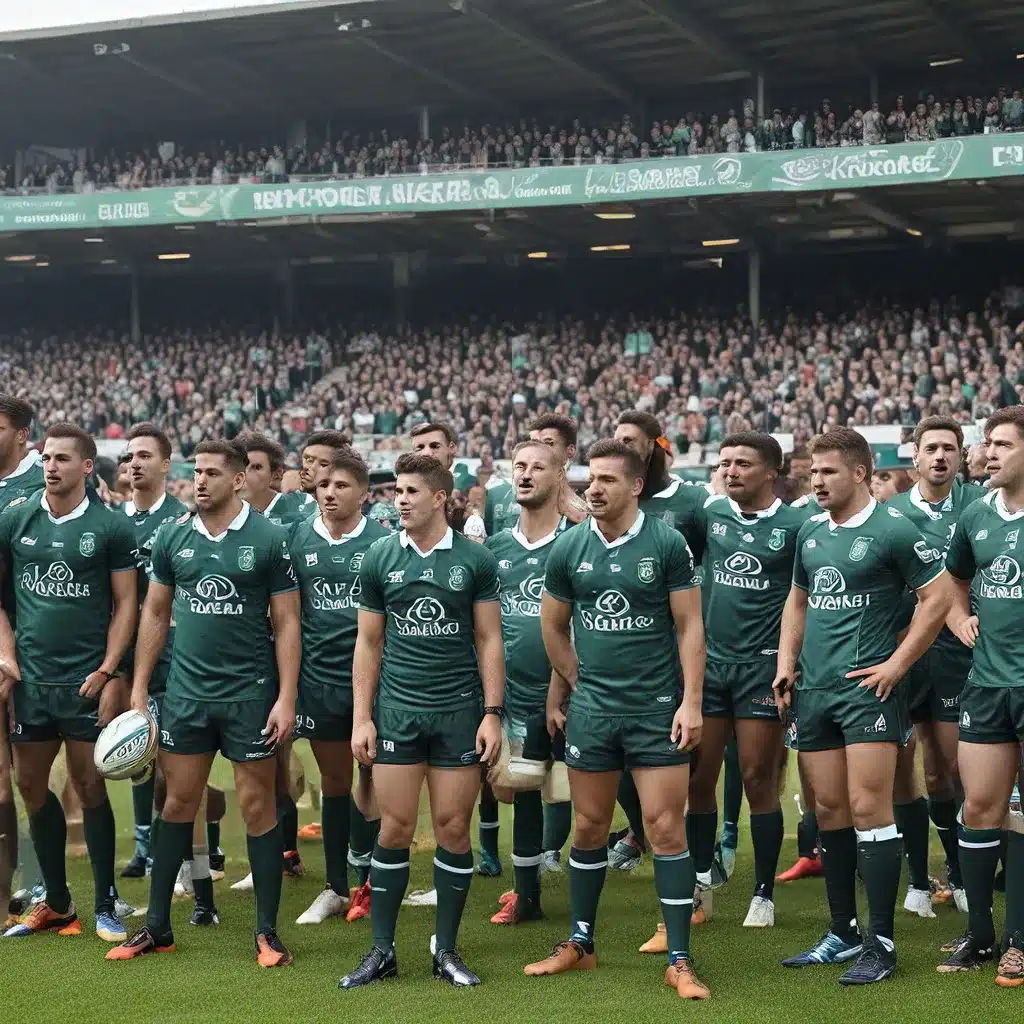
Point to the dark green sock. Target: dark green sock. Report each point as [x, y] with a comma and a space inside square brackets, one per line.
[172, 845]
[807, 835]
[701, 830]
[8, 851]
[913, 822]
[142, 808]
[488, 822]
[943, 815]
[288, 821]
[360, 843]
[1013, 923]
[557, 825]
[629, 801]
[979, 858]
[154, 831]
[766, 832]
[49, 829]
[453, 874]
[389, 878]
[838, 848]
[880, 862]
[732, 796]
[335, 824]
[587, 869]
[213, 836]
[527, 832]
[101, 842]
[674, 879]
[265, 853]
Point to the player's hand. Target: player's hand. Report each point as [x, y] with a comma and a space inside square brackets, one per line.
[880, 678]
[967, 631]
[687, 727]
[95, 683]
[111, 700]
[556, 721]
[7, 682]
[782, 688]
[140, 699]
[364, 742]
[488, 740]
[280, 724]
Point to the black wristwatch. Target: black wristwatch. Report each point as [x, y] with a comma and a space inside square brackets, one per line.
[495, 710]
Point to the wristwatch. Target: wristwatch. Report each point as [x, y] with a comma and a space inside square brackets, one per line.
[497, 709]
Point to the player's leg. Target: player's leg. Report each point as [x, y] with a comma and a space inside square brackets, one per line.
[364, 827]
[557, 826]
[216, 808]
[940, 740]
[490, 861]
[205, 911]
[287, 812]
[1011, 961]
[732, 802]
[910, 811]
[629, 846]
[8, 826]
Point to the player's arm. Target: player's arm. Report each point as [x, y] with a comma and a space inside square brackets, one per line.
[154, 621]
[791, 640]
[556, 630]
[490, 652]
[365, 679]
[556, 703]
[961, 567]
[689, 623]
[285, 616]
[125, 600]
[9, 672]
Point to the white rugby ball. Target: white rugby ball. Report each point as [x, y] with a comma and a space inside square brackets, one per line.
[127, 746]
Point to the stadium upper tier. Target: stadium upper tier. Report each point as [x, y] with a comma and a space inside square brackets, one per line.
[704, 376]
[528, 143]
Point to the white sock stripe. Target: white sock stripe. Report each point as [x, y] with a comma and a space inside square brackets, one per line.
[878, 835]
[359, 860]
[451, 867]
[941, 828]
[490, 824]
[588, 867]
[980, 846]
[665, 857]
[374, 863]
[676, 903]
[527, 862]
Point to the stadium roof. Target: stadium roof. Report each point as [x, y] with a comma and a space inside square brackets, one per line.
[362, 59]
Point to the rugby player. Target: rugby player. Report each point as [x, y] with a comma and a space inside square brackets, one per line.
[317, 451]
[428, 684]
[985, 550]
[522, 552]
[72, 561]
[933, 686]
[327, 552]
[853, 563]
[263, 483]
[218, 573]
[620, 587]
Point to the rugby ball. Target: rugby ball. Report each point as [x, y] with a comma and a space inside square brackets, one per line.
[127, 746]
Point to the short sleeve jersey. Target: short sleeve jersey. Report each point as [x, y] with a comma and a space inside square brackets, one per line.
[289, 509]
[26, 479]
[61, 570]
[678, 505]
[988, 548]
[521, 567]
[501, 510]
[223, 651]
[328, 574]
[623, 627]
[430, 660]
[855, 576]
[748, 571]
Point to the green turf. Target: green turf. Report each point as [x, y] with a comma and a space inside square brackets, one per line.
[213, 975]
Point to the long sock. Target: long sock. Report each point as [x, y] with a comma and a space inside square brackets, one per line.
[527, 832]
[202, 882]
[8, 852]
[28, 873]
[288, 820]
[979, 858]
[360, 845]
[943, 815]
[587, 869]
[732, 795]
[674, 879]
[766, 832]
[389, 878]
[839, 863]
[172, 846]
[488, 823]
[913, 821]
[701, 829]
[154, 831]
[334, 820]
[453, 875]
[213, 836]
[1013, 923]
[101, 842]
[49, 830]
[807, 835]
[880, 861]
[265, 853]
[557, 825]
[629, 801]
[142, 808]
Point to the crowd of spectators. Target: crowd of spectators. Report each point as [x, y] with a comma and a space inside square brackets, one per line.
[530, 143]
[703, 376]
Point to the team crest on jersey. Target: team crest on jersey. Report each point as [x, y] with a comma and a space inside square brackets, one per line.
[504, 564]
[246, 558]
[456, 577]
[87, 544]
[1011, 539]
[981, 535]
[894, 512]
[645, 570]
[777, 540]
[312, 559]
[668, 517]
[859, 549]
[356, 561]
[20, 500]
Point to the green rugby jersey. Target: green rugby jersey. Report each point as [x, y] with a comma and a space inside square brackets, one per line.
[430, 660]
[678, 505]
[855, 575]
[748, 568]
[223, 650]
[622, 622]
[289, 509]
[937, 522]
[985, 549]
[25, 480]
[521, 568]
[502, 509]
[61, 571]
[328, 574]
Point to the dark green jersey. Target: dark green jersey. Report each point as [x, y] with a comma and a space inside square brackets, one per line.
[855, 575]
[223, 650]
[25, 480]
[986, 549]
[289, 509]
[677, 505]
[61, 570]
[937, 522]
[502, 509]
[622, 622]
[385, 514]
[521, 568]
[430, 661]
[748, 568]
[328, 573]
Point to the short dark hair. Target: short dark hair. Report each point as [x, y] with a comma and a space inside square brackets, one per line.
[234, 454]
[83, 439]
[435, 476]
[351, 462]
[939, 423]
[852, 447]
[18, 411]
[764, 444]
[1012, 414]
[800, 452]
[254, 442]
[435, 427]
[609, 448]
[649, 424]
[163, 442]
[565, 425]
[328, 438]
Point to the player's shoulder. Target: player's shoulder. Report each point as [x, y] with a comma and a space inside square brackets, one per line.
[471, 551]
[790, 516]
[500, 542]
[301, 532]
[715, 503]
[372, 531]
[23, 505]
[902, 504]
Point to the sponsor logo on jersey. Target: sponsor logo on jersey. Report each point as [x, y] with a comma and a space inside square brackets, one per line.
[981, 535]
[504, 564]
[584, 567]
[812, 543]
[185, 553]
[87, 545]
[312, 558]
[718, 529]
[614, 567]
[925, 553]
[14, 502]
[741, 569]
[388, 745]
[777, 540]
[425, 618]
[329, 596]
[214, 596]
[1001, 579]
[28, 541]
[533, 561]
[966, 720]
[356, 561]
[828, 591]
[247, 558]
[427, 574]
[396, 577]
[859, 548]
[645, 570]
[57, 581]
[610, 614]
[894, 512]
[524, 601]
[456, 577]
[879, 725]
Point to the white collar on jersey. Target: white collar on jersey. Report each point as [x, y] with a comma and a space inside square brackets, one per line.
[854, 521]
[763, 513]
[273, 501]
[520, 538]
[320, 527]
[996, 501]
[628, 535]
[31, 460]
[236, 524]
[78, 511]
[130, 509]
[918, 500]
[671, 489]
[444, 544]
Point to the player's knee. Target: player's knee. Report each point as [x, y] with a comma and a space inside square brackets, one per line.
[216, 803]
[33, 787]
[665, 831]
[761, 786]
[451, 829]
[258, 808]
[870, 808]
[335, 783]
[395, 834]
[833, 810]
[91, 791]
[703, 791]
[980, 810]
[589, 834]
